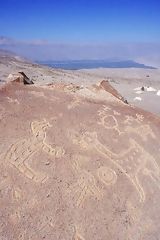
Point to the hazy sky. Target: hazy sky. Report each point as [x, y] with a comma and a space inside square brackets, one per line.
[78, 23]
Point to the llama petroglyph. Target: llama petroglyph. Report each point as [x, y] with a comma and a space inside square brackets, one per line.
[20, 152]
[133, 161]
[143, 131]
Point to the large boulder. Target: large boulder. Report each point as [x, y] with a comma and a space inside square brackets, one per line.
[19, 77]
[77, 165]
[108, 87]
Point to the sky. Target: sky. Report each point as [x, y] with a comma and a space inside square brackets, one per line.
[70, 26]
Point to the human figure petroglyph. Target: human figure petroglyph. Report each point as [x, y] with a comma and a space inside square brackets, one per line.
[110, 122]
[20, 152]
[131, 162]
[85, 186]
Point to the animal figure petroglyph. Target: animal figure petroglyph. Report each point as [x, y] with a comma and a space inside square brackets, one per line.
[143, 131]
[132, 162]
[20, 152]
[85, 186]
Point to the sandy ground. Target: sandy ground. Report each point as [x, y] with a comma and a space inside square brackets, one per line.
[126, 80]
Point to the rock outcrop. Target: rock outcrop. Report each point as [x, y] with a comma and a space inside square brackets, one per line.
[107, 87]
[20, 77]
[77, 165]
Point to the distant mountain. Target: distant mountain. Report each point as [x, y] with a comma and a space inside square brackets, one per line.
[8, 56]
[89, 64]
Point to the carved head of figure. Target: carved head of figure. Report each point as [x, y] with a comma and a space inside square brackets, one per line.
[39, 128]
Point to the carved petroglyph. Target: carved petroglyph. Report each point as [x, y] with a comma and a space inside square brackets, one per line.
[11, 100]
[77, 235]
[139, 117]
[17, 194]
[77, 139]
[85, 187]
[2, 112]
[130, 119]
[76, 102]
[20, 152]
[107, 175]
[105, 109]
[132, 162]
[108, 121]
[143, 131]
[116, 113]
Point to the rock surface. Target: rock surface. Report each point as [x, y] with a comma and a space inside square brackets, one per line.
[77, 164]
[20, 77]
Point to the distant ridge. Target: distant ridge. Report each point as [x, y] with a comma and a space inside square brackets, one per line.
[7, 56]
[90, 64]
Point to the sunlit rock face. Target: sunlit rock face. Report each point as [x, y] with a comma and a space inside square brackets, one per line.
[77, 163]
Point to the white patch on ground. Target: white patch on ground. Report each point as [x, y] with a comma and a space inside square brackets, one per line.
[137, 99]
[138, 89]
[158, 93]
[139, 92]
[150, 89]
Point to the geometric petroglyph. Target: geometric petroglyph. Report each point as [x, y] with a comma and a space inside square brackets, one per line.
[116, 113]
[19, 153]
[130, 119]
[107, 175]
[139, 117]
[11, 100]
[104, 110]
[132, 162]
[85, 186]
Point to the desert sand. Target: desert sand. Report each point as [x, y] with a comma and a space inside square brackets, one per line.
[123, 80]
[127, 80]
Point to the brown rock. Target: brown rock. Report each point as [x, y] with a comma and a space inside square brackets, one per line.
[102, 177]
[20, 77]
[107, 87]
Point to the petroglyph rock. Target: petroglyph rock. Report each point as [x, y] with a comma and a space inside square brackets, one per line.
[75, 167]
